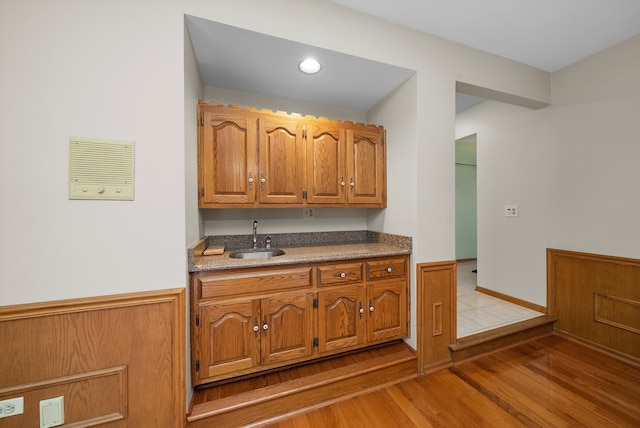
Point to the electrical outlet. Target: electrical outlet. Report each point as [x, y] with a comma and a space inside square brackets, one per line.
[11, 407]
[52, 412]
[511, 211]
[308, 213]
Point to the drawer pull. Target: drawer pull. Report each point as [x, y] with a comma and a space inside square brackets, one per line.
[389, 269]
[341, 275]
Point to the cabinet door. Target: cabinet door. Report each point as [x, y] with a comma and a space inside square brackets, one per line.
[281, 160]
[326, 173]
[287, 327]
[387, 311]
[227, 156]
[229, 341]
[366, 165]
[342, 316]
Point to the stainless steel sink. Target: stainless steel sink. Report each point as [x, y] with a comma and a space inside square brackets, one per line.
[256, 253]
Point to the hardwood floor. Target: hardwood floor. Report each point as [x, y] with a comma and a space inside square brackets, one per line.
[547, 382]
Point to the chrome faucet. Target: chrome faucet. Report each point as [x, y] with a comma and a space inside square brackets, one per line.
[255, 236]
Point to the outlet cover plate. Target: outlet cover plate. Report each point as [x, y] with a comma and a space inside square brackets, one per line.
[11, 407]
[511, 211]
[52, 412]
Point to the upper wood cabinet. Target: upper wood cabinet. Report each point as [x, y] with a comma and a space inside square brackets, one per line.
[366, 166]
[326, 164]
[281, 148]
[227, 150]
[252, 159]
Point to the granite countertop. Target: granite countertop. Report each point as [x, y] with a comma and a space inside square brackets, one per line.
[298, 248]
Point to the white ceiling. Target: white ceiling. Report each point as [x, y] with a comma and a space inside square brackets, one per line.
[546, 34]
[233, 58]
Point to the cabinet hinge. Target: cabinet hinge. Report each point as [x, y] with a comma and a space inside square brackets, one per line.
[304, 194]
[304, 133]
[316, 342]
[197, 365]
[197, 319]
[315, 303]
[201, 121]
[202, 191]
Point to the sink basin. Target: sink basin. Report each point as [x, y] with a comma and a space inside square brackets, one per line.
[256, 253]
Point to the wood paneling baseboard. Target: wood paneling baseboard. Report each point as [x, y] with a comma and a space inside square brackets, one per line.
[596, 298]
[511, 299]
[437, 316]
[115, 359]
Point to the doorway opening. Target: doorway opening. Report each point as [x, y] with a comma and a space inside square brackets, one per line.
[478, 308]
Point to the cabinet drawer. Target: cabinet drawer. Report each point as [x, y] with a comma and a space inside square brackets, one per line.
[386, 269]
[343, 273]
[254, 282]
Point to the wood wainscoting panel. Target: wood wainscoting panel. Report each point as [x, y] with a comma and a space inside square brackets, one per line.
[436, 313]
[596, 298]
[115, 359]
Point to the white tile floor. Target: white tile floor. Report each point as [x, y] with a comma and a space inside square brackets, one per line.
[478, 312]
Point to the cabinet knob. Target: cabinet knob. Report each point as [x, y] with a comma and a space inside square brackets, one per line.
[256, 328]
[341, 275]
[265, 327]
[389, 269]
[362, 310]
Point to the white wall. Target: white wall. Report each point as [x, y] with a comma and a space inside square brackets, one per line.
[117, 70]
[193, 91]
[96, 69]
[194, 223]
[260, 101]
[397, 112]
[596, 153]
[571, 167]
[438, 64]
[513, 146]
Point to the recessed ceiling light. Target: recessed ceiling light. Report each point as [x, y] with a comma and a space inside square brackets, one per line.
[310, 66]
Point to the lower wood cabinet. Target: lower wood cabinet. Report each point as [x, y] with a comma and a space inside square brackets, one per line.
[253, 319]
[238, 336]
[341, 318]
[387, 311]
[352, 315]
